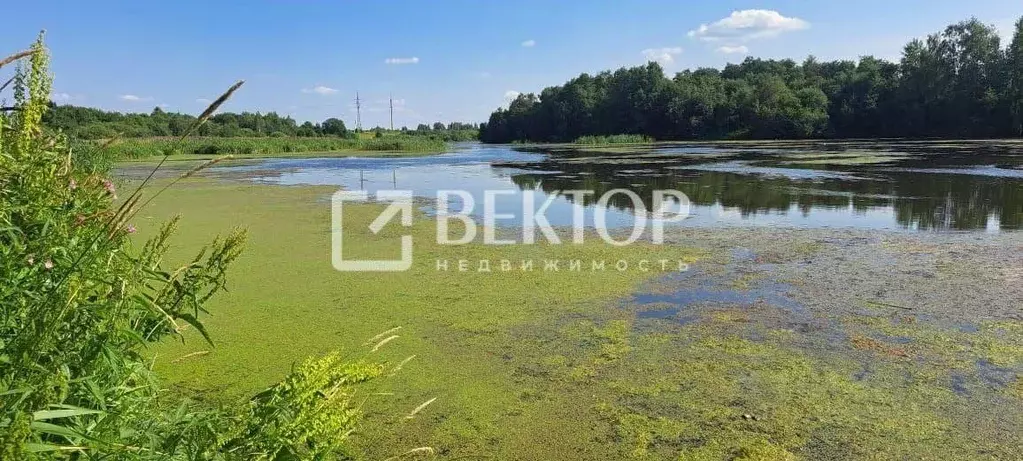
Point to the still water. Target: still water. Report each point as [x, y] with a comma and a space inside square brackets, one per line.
[912, 186]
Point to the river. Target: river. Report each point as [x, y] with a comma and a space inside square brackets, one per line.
[905, 186]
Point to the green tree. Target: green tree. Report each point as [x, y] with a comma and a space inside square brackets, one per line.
[955, 83]
[1014, 77]
[333, 127]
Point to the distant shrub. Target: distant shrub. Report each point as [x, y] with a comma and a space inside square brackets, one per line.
[614, 139]
[96, 131]
[137, 148]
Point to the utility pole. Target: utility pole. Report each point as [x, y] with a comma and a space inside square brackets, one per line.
[390, 102]
[358, 112]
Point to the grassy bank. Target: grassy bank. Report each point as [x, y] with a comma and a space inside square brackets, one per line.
[546, 365]
[188, 161]
[141, 148]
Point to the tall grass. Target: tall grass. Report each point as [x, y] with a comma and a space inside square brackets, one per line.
[614, 139]
[138, 148]
[82, 300]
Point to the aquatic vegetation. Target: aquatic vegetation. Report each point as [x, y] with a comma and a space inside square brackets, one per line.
[850, 158]
[555, 357]
[724, 392]
[471, 331]
[744, 281]
[997, 343]
[871, 344]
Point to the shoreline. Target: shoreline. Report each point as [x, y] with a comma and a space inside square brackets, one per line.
[308, 154]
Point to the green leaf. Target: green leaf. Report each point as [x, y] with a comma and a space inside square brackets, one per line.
[43, 415]
[198, 326]
[54, 429]
[45, 447]
[23, 390]
[97, 393]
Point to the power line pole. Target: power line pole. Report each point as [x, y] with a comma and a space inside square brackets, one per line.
[390, 102]
[358, 112]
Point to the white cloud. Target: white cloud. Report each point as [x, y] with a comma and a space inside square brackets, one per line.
[412, 60]
[664, 55]
[748, 25]
[320, 89]
[163, 105]
[203, 101]
[60, 97]
[529, 43]
[511, 94]
[483, 74]
[728, 49]
[133, 98]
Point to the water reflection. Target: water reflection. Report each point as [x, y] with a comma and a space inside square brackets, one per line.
[912, 186]
[950, 193]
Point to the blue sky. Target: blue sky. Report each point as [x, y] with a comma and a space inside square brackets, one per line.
[442, 60]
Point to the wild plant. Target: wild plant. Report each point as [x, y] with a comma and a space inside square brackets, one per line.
[81, 299]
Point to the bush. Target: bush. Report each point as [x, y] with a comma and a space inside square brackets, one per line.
[96, 131]
[614, 139]
[81, 300]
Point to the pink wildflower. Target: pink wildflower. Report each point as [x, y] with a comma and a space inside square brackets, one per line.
[109, 186]
[130, 228]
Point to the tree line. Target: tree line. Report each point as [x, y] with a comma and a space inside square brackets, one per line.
[454, 131]
[91, 123]
[957, 83]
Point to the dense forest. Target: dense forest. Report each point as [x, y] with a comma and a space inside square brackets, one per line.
[959, 83]
[91, 123]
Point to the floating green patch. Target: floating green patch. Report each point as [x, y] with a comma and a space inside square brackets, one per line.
[476, 334]
[545, 365]
[713, 394]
